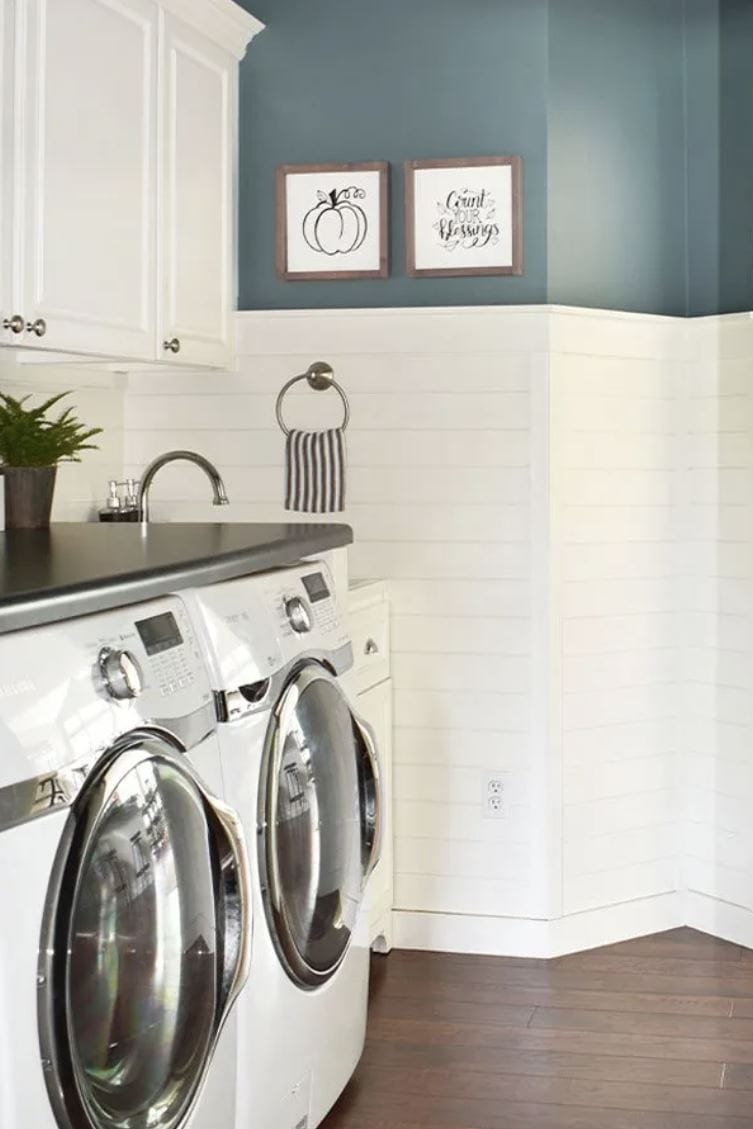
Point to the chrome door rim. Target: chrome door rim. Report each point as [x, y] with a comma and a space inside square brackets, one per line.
[291, 958]
[128, 752]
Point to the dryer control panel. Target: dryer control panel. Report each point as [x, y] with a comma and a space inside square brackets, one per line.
[307, 614]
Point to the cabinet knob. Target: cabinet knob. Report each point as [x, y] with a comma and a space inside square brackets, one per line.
[173, 345]
[371, 647]
[38, 327]
[15, 324]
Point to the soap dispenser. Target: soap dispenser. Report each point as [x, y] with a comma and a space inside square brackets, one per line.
[121, 508]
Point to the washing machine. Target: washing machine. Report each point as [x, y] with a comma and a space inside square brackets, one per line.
[301, 770]
[125, 903]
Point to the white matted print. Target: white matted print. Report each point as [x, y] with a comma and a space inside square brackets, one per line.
[332, 221]
[463, 216]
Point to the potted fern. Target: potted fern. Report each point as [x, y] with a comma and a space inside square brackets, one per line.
[31, 446]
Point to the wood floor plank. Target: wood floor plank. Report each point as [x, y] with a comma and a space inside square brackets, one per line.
[584, 1042]
[657, 966]
[552, 1090]
[608, 977]
[562, 1063]
[674, 1026]
[419, 1111]
[535, 996]
[650, 1034]
[679, 943]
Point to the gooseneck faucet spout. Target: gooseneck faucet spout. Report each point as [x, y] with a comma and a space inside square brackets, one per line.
[218, 486]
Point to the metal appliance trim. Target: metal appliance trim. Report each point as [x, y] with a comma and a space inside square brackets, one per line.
[42, 795]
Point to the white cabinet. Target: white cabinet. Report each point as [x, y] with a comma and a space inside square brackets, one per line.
[6, 180]
[87, 202]
[368, 622]
[117, 165]
[197, 229]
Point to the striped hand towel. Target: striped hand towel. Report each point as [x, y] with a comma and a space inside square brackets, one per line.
[315, 471]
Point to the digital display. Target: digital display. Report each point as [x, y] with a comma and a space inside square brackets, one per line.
[160, 633]
[316, 587]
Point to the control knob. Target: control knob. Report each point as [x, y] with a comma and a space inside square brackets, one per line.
[299, 615]
[121, 674]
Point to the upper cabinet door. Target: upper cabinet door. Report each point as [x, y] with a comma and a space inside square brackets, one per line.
[88, 180]
[6, 167]
[196, 228]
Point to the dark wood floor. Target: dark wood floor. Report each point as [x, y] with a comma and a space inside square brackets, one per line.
[651, 1034]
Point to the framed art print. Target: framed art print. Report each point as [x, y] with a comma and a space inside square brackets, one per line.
[332, 221]
[464, 217]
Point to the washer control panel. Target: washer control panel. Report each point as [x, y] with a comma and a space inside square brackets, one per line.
[154, 658]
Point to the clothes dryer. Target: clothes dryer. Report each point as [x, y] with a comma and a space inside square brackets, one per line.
[301, 769]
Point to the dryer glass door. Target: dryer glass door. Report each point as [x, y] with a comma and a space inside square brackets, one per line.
[141, 953]
[311, 854]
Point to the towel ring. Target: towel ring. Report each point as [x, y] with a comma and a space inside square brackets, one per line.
[320, 376]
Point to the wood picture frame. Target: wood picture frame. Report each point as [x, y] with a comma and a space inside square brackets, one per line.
[489, 199]
[326, 214]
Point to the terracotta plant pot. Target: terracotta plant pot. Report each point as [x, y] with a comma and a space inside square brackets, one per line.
[28, 496]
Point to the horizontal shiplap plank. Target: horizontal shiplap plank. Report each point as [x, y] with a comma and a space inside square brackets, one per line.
[586, 710]
[449, 410]
[620, 813]
[599, 486]
[391, 485]
[406, 560]
[457, 635]
[604, 853]
[500, 752]
[450, 821]
[622, 884]
[465, 711]
[618, 524]
[442, 784]
[437, 857]
[594, 673]
[447, 597]
[456, 673]
[620, 633]
[408, 447]
[430, 894]
[618, 778]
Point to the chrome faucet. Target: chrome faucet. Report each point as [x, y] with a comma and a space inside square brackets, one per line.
[218, 486]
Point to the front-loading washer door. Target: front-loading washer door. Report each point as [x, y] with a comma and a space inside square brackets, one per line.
[316, 821]
[143, 949]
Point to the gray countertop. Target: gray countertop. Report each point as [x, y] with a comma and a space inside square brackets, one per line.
[76, 569]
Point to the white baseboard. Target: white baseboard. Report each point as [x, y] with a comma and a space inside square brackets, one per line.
[719, 919]
[526, 937]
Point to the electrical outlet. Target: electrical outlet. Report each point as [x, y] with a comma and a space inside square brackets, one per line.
[494, 795]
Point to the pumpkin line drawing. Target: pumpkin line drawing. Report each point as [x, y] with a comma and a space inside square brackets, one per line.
[336, 225]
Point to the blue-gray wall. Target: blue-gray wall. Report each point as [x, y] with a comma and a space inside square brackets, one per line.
[330, 80]
[736, 156]
[617, 180]
[634, 117]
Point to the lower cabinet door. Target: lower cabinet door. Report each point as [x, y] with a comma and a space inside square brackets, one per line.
[375, 707]
[197, 229]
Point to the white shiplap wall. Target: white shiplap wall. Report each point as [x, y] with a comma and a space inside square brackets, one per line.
[617, 603]
[440, 491]
[718, 704]
[556, 497]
